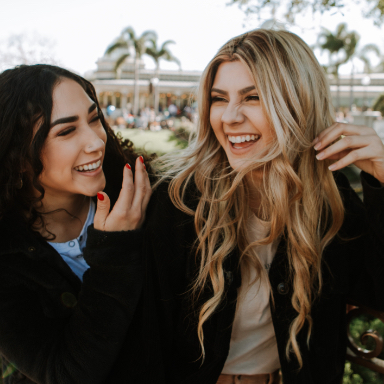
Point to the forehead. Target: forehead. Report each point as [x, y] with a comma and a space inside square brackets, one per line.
[69, 99]
[232, 75]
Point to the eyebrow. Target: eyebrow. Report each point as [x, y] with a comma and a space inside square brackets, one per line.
[242, 92]
[72, 119]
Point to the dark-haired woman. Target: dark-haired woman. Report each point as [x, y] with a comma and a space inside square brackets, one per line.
[64, 307]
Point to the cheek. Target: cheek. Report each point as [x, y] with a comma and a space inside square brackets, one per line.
[215, 120]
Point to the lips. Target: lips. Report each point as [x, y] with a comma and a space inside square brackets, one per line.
[88, 167]
[240, 142]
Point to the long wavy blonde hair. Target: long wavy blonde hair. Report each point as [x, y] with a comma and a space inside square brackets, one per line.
[298, 193]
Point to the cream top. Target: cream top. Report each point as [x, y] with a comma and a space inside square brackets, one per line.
[253, 347]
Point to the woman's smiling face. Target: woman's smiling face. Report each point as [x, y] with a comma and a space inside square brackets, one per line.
[236, 115]
[73, 152]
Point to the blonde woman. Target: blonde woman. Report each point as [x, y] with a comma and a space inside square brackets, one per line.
[254, 240]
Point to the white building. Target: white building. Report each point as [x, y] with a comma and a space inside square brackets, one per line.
[179, 87]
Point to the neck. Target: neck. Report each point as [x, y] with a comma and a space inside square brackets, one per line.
[64, 216]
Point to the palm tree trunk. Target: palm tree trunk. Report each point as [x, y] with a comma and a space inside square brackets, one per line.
[136, 88]
[157, 90]
[351, 91]
[338, 91]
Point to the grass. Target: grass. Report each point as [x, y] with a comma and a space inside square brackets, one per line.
[159, 142]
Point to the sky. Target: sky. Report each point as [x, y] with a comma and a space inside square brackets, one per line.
[81, 30]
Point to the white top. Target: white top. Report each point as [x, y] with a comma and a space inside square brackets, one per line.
[72, 251]
[253, 347]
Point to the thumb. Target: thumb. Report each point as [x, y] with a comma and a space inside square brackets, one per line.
[102, 211]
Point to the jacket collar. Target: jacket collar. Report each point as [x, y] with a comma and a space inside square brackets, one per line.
[17, 237]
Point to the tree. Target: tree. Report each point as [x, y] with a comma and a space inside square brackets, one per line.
[341, 46]
[373, 9]
[379, 104]
[126, 41]
[160, 53]
[362, 55]
[26, 49]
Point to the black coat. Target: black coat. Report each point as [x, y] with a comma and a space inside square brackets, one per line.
[53, 328]
[351, 270]
[132, 319]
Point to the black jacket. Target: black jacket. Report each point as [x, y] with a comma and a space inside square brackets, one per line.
[53, 328]
[132, 319]
[351, 270]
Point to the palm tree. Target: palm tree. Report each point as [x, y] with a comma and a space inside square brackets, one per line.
[126, 41]
[160, 53]
[341, 46]
[362, 55]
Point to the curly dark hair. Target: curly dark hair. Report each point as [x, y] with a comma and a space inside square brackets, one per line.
[25, 101]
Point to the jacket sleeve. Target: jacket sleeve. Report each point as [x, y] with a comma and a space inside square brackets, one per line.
[81, 346]
[361, 243]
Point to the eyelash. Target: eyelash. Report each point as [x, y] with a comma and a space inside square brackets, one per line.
[71, 129]
[252, 97]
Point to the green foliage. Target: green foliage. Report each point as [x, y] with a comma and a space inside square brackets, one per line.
[350, 377]
[355, 373]
[180, 137]
[379, 104]
[373, 9]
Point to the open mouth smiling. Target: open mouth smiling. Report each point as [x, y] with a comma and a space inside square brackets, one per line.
[88, 167]
[242, 141]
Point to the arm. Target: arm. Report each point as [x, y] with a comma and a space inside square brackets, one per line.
[49, 337]
[361, 246]
[44, 332]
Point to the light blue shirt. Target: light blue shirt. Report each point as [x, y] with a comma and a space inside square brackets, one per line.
[72, 251]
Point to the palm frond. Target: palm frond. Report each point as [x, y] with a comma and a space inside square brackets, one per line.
[120, 61]
[117, 44]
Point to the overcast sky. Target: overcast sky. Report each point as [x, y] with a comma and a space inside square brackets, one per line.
[82, 29]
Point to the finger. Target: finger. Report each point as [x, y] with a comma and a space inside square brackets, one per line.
[322, 133]
[141, 185]
[352, 157]
[148, 194]
[124, 201]
[348, 142]
[336, 130]
[102, 211]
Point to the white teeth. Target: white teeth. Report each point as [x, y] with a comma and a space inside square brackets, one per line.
[242, 139]
[88, 167]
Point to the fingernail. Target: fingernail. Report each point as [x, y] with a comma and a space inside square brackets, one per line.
[320, 156]
[317, 146]
[332, 167]
[100, 196]
[128, 166]
[144, 166]
[142, 159]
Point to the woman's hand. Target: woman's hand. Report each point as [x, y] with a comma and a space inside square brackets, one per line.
[129, 210]
[358, 145]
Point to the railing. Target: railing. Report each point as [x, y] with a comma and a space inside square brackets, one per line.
[362, 356]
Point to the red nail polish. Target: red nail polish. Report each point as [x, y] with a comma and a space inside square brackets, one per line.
[142, 159]
[100, 196]
[128, 166]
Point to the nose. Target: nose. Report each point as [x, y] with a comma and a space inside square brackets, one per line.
[94, 143]
[232, 114]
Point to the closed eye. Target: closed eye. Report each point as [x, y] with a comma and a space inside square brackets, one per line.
[215, 99]
[252, 98]
[97, 117]
[66, 131]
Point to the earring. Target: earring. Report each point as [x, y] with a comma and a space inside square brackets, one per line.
[19, 183]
